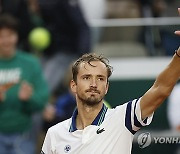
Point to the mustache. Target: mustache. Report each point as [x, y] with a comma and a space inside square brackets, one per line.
[93, 90]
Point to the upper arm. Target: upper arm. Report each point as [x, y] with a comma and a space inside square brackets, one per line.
[161, 88]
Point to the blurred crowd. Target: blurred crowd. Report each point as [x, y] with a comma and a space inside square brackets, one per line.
[45, 56]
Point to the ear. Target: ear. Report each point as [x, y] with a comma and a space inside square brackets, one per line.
[107, 87]
[73, 86]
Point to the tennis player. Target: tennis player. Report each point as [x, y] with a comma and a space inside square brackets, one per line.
[95, 129]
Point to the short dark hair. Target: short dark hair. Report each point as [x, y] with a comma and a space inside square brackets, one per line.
[89, 58]
[8, 21]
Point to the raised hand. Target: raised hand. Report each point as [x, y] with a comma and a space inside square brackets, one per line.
[25, 91]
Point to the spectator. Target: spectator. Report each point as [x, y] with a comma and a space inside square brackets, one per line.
[27, 93]
[70, 37]
[170, 42]
[160, 38]
[20, 10]
[150, 35]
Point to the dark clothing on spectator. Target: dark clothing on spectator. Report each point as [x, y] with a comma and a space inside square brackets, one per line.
[67, 25]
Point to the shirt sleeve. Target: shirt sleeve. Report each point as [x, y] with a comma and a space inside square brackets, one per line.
[133, 120]
[75, 15]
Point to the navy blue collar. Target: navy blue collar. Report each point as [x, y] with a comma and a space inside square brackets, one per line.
[97, 121]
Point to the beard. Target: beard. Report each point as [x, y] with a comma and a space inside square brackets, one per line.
[92, 100]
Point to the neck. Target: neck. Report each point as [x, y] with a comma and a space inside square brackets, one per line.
[86, 114]
[7, 55]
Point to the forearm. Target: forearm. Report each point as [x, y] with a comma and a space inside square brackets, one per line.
[168, 78]
[162, 87]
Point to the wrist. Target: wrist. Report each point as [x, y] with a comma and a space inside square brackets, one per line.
[177, 52]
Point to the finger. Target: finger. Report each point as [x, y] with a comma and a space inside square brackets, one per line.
[179, 10]
[25, 85]
[177, 32]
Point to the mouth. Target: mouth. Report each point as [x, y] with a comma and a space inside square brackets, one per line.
[93, 91]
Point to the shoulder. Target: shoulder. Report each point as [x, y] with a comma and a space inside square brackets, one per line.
[122, 109]
[118, 108]
[60, 127]
[118, 111]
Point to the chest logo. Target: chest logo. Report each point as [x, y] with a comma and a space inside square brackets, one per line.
[100, 130]
[67, 148]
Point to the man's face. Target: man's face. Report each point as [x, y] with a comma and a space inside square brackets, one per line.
[8, 40]
[91, 85]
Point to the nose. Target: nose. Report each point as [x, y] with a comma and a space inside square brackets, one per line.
[93, 83]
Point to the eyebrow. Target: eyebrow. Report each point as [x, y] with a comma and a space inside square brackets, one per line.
[99, 75]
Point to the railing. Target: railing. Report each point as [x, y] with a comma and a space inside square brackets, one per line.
[135, 22]
[150, 36]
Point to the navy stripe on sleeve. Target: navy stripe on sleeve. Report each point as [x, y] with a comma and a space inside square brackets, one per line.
[128, 118]
[145, 120]
[136, 122]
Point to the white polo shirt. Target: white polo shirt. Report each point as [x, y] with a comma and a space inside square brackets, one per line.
[111, 132]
